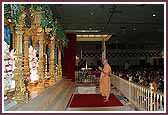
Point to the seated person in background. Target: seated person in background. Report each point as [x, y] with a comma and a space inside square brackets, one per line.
[161, 85]
[153, 85]
[145, 84]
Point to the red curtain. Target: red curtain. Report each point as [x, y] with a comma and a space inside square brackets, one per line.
[69, 58]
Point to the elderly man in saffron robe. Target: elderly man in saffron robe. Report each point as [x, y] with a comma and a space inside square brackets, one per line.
[105, 84]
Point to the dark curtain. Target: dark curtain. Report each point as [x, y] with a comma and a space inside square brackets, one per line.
[69, 58]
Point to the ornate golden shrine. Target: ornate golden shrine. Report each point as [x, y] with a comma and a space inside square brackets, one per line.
[37, 32]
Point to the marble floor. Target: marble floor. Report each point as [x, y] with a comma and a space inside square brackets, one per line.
[44, 99]
[56, 97]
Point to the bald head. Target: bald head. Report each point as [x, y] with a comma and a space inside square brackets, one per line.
[104, 61]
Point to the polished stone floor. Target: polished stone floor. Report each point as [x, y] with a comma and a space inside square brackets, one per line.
[56, 97]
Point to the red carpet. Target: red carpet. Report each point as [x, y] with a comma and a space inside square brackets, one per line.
[92, 100]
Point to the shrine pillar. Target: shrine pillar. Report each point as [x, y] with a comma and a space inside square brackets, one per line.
[41, 71]
[26, 53]
[19, 95]
[59, 63]
[51, 64]
[40, 37]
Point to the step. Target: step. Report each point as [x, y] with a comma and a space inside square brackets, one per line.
[42, 101]
[116, 108]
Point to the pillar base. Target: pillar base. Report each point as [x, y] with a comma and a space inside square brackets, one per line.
[52, 81]
[40, 85]
[31, 84]
[59, 78]
[20, 99]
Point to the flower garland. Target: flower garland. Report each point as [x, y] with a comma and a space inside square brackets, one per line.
[13, 11]
[7, 11]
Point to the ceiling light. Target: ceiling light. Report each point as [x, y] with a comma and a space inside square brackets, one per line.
[134, 29]
[92, 37]
[92, 13]
[154, 15]
[83, 31]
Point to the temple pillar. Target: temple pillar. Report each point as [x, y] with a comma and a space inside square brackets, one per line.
[52, 66]
[59, 63]
[40, 37]
[19, 95]
[45, 58]
[26, 53]
[41, 71]
[34, 34]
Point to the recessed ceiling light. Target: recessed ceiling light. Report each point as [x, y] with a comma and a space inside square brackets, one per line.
[91, 13]
[83, 31]
[154, 15]
[134, 29]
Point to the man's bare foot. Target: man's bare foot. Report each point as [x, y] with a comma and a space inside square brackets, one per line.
[106, 100]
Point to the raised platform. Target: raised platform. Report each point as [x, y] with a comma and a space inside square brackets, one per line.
[62, 90]
[56, 98]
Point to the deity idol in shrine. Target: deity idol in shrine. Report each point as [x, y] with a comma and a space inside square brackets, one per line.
[33, 63]
[9, 68]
